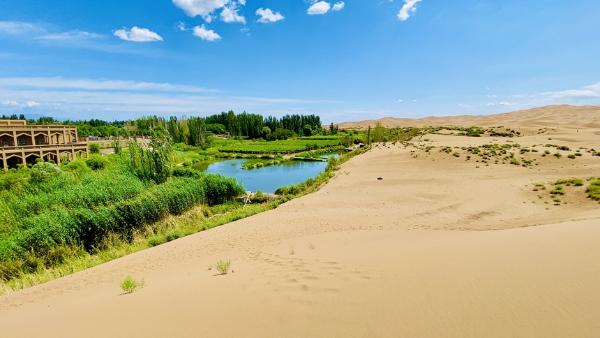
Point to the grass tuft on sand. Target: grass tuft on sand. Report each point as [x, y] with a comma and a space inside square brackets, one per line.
[223, 267]
[129, 284]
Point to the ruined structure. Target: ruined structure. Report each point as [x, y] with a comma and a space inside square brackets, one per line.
[25, 144]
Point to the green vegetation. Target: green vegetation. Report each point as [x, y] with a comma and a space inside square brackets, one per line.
[94, 230]
[570, 181]
[474, 132]
[94, 148]
[275, 147]
[223, 267]
[51, 213]
[129, 284]
[593, 190]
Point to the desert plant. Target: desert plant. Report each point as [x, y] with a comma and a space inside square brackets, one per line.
[129, 284]
[223, 266]
[594, 190]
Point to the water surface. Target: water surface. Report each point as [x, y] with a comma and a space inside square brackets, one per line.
[268, 179]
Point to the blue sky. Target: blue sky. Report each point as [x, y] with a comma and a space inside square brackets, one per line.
[347, 60]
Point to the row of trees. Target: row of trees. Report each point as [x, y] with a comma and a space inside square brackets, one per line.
[193, 130]
[257, 126]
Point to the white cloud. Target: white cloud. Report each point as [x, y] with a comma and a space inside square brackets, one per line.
[10, 103]
[268, 16]
[137, 34]
[230, 14]
[73, 35]
[19, 28]
[181, 26]
[111, 99]
[319, 8]
[338, 6]
[96, 85]
[15, 104]
[202, 8]
[587, 92]
[206, 34]
[409, 8]
[51, 36]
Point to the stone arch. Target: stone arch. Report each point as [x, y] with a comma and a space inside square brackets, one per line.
[41, 139]
[7, 140]
[13, 161]
[32, 158]
[24, 140]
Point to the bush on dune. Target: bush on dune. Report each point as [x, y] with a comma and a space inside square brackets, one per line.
[594, 190]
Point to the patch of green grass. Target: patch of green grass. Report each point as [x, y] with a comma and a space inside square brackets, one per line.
[570, 181]
[593, 190]
[276, 147]
[129, 284]
[223, 266]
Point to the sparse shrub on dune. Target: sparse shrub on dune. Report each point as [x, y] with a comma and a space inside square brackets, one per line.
[593, 190]
[570, 181]
[129, 284]
[223, 267]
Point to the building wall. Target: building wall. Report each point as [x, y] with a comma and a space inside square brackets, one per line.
[25, 144]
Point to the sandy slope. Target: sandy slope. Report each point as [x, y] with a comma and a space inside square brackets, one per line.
[399, 257]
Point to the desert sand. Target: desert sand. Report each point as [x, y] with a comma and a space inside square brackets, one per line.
[440, 247]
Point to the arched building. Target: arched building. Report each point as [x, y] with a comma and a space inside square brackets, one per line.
[25, 144]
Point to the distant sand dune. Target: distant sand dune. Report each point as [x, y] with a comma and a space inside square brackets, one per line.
[544, 117]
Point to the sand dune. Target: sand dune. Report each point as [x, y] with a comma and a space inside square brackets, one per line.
[544, 117]
[441, 247]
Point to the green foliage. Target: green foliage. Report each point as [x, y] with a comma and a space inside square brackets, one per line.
[474, 132]
[129, 284]
[152, 163]
[276, 147]
[219, 189]
[117, 147]
[94, 148]
[266, 132]
[96, 162]
[48, 208]
[280, 134]
[44, 171]
[570, 181]
[593, 190]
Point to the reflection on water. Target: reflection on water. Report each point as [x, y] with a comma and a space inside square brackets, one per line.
[268, 179]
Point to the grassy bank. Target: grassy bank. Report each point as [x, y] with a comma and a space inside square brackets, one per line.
[52, 213]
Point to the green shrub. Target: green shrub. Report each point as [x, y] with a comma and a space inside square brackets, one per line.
[570, 181]
[94, 148]
[172, 235]
[593, 190]
[219, 189]
[96, 162]
[129, 284]
[152, 163]
[44, 171]
[186, 172]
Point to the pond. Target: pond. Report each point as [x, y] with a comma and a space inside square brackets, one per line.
[268, 179]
